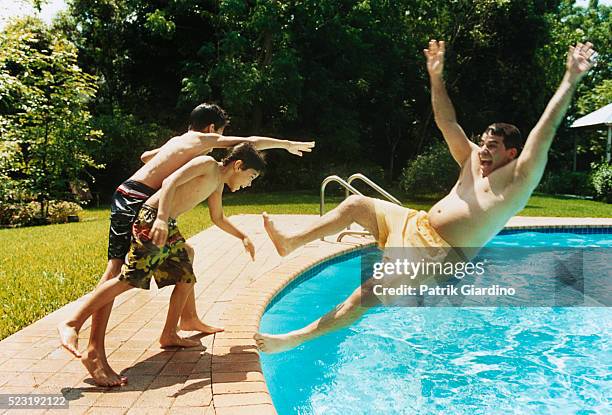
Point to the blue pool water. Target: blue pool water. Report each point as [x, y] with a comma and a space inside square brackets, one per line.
[442, 360]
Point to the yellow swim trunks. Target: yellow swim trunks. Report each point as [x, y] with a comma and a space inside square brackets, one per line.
[406, 235]
[400, 227]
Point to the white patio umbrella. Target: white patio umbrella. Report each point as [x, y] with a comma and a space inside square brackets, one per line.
[602, 116]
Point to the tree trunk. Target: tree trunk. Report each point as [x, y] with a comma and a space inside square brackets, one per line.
[265, 59]
[45, 178]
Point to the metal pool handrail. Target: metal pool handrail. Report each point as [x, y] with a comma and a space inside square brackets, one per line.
[366, 180]
[350, 189]
[341, 182]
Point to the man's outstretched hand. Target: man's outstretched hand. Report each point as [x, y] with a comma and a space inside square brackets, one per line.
[580, 59]
[435, 57]
[297, 147]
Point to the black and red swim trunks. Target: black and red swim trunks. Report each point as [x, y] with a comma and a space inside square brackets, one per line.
[127, 201]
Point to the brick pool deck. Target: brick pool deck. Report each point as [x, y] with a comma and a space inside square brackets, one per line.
[224, 375]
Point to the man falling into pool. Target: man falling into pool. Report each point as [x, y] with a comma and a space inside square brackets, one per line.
[495, 182]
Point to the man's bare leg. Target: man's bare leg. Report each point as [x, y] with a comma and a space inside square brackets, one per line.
[69, 329]
[169, 336]
[189, 318]
[341, 316]
[359, 209]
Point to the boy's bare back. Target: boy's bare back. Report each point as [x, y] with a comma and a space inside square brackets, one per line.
[172, 155]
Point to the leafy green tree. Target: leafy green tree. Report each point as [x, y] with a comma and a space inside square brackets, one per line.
[142, 53]
[348, 73]
[45, 125]
[571, 24]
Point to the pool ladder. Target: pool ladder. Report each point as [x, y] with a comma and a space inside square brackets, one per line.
[349, 189]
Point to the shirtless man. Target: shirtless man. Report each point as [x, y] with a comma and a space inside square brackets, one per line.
[157, 247]
[206, 125]
[495, 182]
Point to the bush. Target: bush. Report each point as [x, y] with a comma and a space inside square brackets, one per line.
[567, 183]
[434, 171]
[23, 214]
[601, 179]
[60, 210]
[28, 214]
[7, 213]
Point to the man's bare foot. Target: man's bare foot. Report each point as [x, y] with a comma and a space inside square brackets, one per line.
[277, 343]
[177, 341]
[102, 374]
[69, 337]
[197, 325]
[278, 239]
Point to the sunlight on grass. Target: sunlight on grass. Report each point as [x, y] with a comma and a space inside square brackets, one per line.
[43, 268]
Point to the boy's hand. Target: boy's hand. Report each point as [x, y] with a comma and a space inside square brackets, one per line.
[249, 247]
[159, 232]
[435, 57]
[297, 147]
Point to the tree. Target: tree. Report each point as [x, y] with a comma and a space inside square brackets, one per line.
[45, 126]
[571, 24]
[141, 51]
[348, 74]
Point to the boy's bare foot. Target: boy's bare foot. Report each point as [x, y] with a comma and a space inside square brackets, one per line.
[69, 337]
[275, 343]
[177, 341]
[279, 240]
[198, 325]
[102, 374]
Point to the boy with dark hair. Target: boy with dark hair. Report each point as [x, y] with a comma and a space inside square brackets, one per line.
[206, 125]
[161, 251]
[205, 114]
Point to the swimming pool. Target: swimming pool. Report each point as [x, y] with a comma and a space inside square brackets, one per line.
[439, 360]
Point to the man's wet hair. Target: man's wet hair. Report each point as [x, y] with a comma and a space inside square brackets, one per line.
[511, 134]
[251, 158]
[205, 114]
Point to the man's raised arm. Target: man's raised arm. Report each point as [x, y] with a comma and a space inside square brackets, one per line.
[532, 161]
[444, 113]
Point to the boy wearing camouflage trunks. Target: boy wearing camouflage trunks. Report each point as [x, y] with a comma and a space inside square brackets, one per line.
[159, 250]
[207, 123]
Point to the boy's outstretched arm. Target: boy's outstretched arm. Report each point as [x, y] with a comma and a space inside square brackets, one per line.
[215, 208]
[214, 140]
[261, 143]
[532, 160]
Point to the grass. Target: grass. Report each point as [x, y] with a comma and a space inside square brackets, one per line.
[546, 205]
[43, 268]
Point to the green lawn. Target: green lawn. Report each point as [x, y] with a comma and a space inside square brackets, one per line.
[43, 268]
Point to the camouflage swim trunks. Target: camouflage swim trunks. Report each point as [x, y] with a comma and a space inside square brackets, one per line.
[168, 265]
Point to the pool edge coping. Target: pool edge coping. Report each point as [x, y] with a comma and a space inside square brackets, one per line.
[234, 350]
